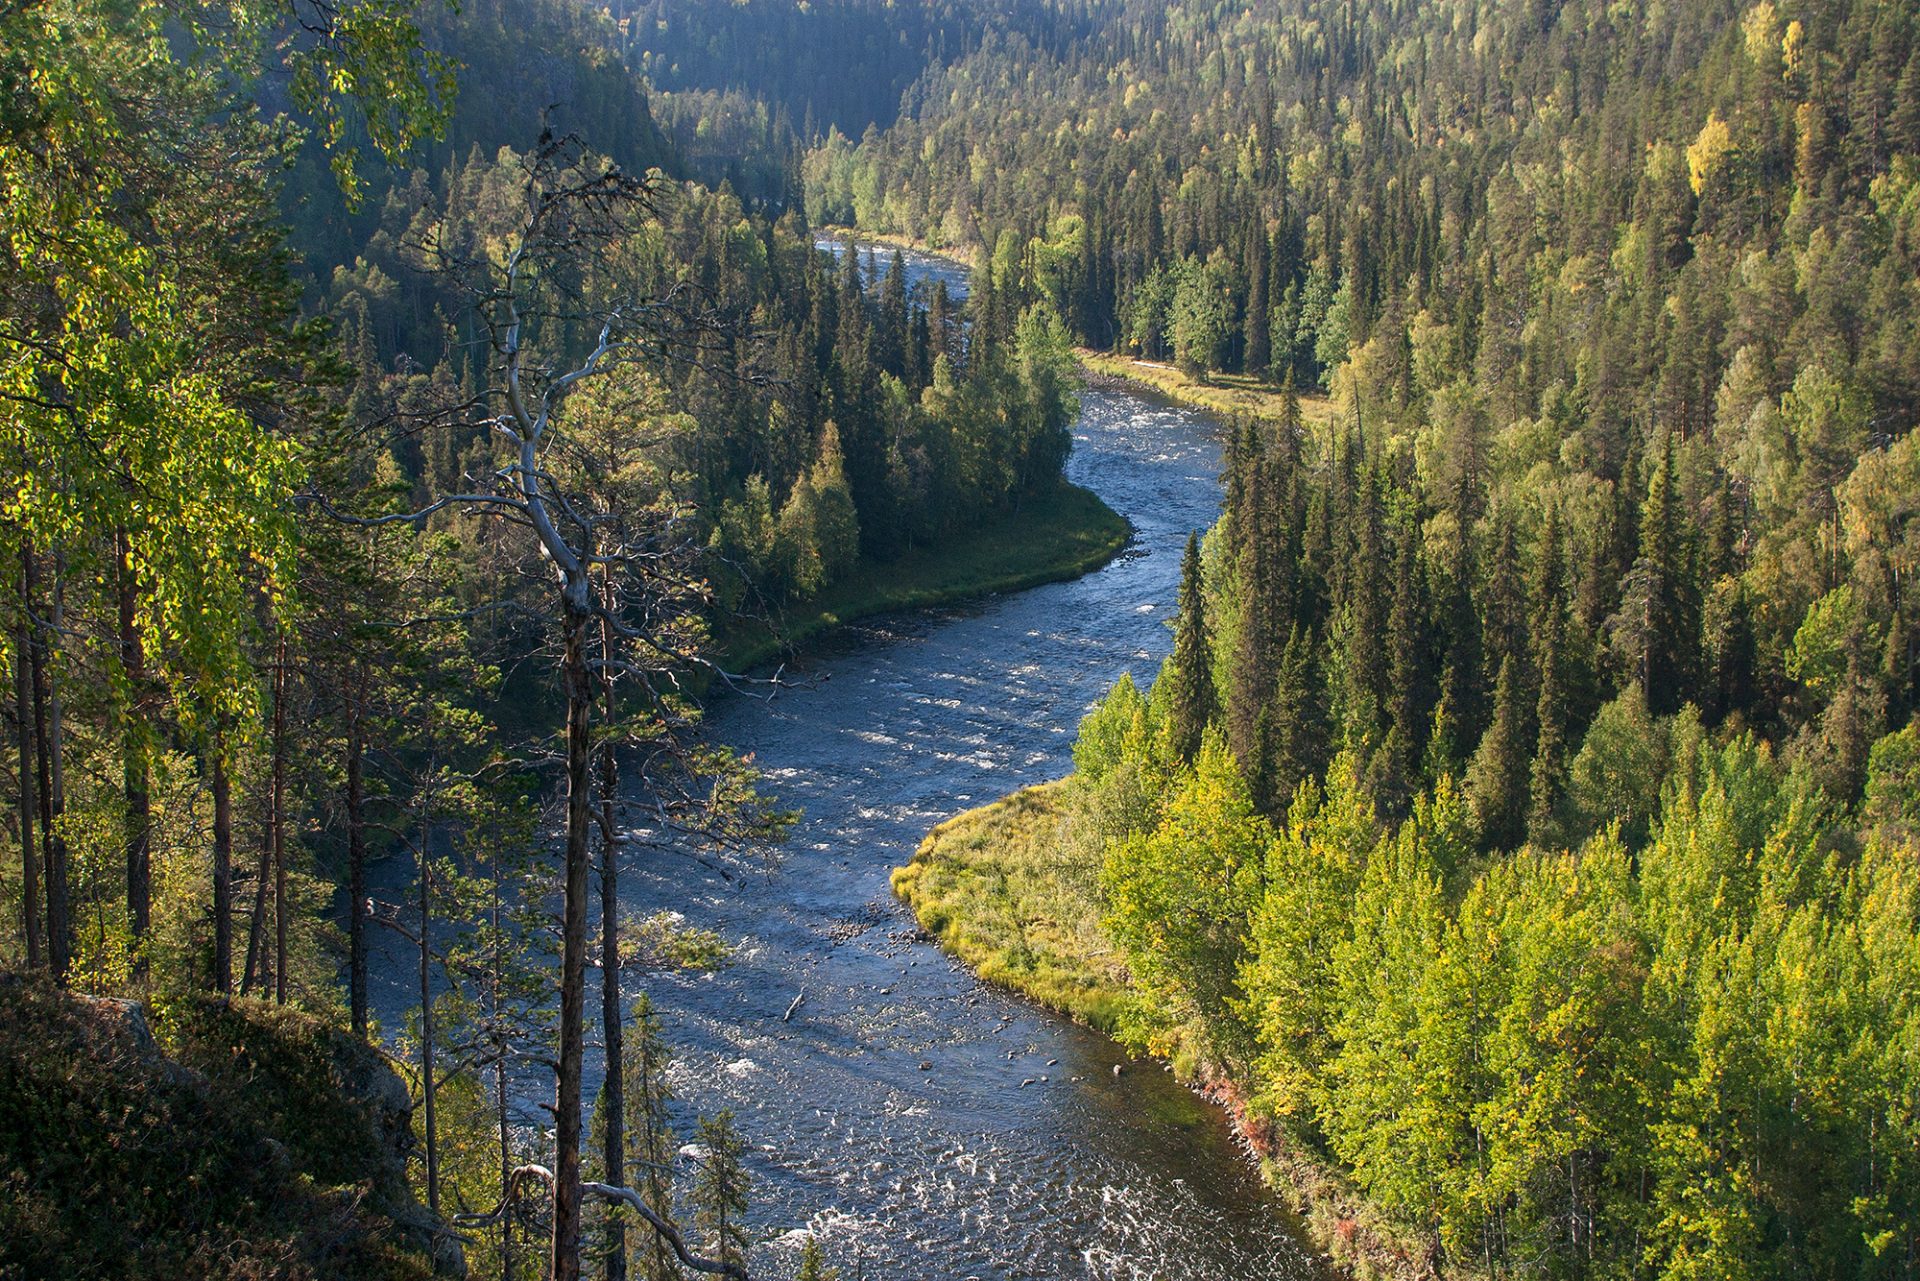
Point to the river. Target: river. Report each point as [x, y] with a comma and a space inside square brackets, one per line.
[954, 1169]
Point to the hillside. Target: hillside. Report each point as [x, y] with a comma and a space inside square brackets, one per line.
[247, 1141]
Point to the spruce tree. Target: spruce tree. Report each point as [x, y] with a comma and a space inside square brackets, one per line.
[1497, 779]
[1407, 676]
[1300, 737]
[720, 1189]
[1193, 697]
[1549, 634]
[1264, 558]
[1457, 715]
[1364, 638]
[1653, 634]
[649, 1134]
[813, 1263]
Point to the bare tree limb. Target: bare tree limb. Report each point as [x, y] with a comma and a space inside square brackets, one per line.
[617, 1196]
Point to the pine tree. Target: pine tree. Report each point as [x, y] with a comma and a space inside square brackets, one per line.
[1192, 707]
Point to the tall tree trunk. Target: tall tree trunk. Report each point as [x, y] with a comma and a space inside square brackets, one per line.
[496, 963]
[426, 1003]
[257, 920]
[139, 819]
[611, 1015]
[23, 744]
[565, 1263]
[268, 875]
[47, 735]
[222, 869]
[356, 866]
[277, 832]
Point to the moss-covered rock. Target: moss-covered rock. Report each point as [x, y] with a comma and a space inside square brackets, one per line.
[247, 1141]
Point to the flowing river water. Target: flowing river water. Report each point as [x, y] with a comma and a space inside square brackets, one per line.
[925, 1125]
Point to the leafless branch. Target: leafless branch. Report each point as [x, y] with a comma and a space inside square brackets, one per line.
[618, 1196]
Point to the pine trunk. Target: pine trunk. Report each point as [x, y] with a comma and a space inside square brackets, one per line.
[356, 872]
[427, 1092]
[139, 828]
[277, 832]
[611, 1022]
[29, 858]
[222, 870]
[47, 735]
[573, 949]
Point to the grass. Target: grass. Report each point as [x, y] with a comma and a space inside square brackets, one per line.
[1000, 890]
[1228, 394]
[1053, 537]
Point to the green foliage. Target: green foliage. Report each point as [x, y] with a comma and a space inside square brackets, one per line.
[1178, 898]
[1198, 316]
[1893, 788]
[665, 941]
[1616, 776]
[813, 1262]
[1118, 725]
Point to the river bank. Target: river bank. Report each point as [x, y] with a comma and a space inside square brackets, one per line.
[1052, 538]
[1230, 395]
[1008, 892]
[964, 255]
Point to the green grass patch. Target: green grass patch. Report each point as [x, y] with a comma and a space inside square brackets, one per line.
[1000, 890]
[1054, 536]
[1227, 394]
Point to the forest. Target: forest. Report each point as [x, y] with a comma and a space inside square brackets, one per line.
[1524, 819]
[410, 416]
[393, 458]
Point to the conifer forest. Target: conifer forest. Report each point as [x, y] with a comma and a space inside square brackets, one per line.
[1378, 544]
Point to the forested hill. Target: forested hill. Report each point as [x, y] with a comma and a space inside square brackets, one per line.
[519, 67]
[1525, 819]
[1542, 179]
[836, 64]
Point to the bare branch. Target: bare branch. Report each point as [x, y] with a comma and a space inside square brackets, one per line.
[618, 1196]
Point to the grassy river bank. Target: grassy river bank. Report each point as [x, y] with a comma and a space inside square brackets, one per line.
[1229, 395]
[1052, 537]
[1001, 889]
